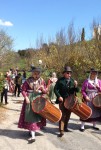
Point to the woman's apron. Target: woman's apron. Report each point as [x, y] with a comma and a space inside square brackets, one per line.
[30, 116]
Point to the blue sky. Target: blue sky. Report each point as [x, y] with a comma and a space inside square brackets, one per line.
[28, 20]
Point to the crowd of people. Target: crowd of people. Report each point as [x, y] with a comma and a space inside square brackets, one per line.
[58, 91]
[12, 83]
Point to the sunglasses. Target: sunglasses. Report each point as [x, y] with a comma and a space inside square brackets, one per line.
[68, 72]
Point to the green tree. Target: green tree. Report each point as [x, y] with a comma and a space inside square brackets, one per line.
[83, 35]
[6, 44]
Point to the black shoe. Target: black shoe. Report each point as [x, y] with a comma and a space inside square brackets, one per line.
[61, 134]
[95, 128]
[42, 128]
[29, 133]
[6, 103]
[66, 130]
[31, 141]
[82, 130]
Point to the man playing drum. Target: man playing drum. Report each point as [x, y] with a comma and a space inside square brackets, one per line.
[90, 88]
[33, 87]
[65, 86]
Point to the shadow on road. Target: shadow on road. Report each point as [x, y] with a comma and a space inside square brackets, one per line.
[50, 130]
[16, 134]
[9, 108]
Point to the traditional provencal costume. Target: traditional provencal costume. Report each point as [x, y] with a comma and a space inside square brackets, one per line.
[64, 87]
[28, 119]
[89, 89]
[51, 84]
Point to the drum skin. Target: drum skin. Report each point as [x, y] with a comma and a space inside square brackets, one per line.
[47, 110]
[80, 109]
[97, 100]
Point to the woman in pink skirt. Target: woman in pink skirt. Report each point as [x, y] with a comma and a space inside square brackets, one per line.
[32, 88]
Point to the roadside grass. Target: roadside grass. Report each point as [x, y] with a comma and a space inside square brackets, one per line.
[2, 113]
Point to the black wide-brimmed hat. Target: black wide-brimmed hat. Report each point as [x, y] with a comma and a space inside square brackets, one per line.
[67, 69]
[35, 69]
[93, 70]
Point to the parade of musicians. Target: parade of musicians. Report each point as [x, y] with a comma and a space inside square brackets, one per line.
[50, 89]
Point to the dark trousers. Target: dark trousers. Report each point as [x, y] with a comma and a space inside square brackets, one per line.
[4, 94]
[17, 88]
[63, 123]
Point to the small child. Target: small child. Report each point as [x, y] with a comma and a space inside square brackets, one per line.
[5, 90]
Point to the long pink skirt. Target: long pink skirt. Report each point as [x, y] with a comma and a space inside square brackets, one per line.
[28, 125]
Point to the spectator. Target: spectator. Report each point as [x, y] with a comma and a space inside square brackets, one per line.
[5, 91]
[18, 83]
[24, 76]
[50, 87]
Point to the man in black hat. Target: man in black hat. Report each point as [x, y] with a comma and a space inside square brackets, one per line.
[64, 87]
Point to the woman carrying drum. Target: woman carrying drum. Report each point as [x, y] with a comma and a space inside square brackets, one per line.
[33, 87]
[90, 88]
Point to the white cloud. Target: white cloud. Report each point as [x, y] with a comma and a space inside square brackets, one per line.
[5, 23]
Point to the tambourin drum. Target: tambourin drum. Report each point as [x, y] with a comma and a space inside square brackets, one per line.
[80, 109]
[97, 101]
[45, 109]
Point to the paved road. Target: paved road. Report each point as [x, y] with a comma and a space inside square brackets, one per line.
[13, 138]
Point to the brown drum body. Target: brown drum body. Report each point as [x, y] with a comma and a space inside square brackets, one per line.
[97, 101]
[47, 110]
[80, 109]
